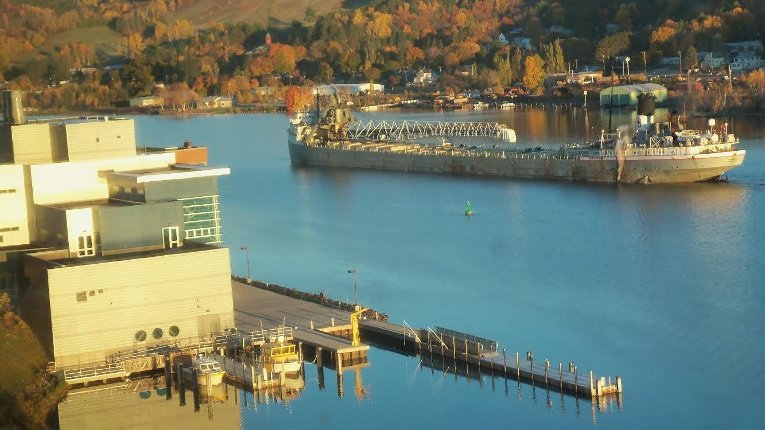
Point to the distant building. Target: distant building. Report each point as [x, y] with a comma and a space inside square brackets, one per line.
[746, 55]
[522, 42]
[583, 77]
[107, 248]
[710, 60]
[559, 30]
[214, 102]
[332, 89]
[146, 102]
[626, 95]
[424, 77]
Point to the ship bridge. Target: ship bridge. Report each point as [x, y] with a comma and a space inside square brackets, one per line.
[412, 130]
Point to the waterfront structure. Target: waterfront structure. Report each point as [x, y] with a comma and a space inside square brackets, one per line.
[352, 89]
[627, 95]
[109, 248]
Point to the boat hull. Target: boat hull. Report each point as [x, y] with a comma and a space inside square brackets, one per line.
[655, 170]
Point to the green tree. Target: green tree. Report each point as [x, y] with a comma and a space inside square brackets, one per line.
[611, 46]
[516, 63]
[534, 73]
[690, 58]
[553, 56]
[503, 68]
[138, 78]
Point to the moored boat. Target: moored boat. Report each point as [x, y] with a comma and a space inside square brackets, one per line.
[208, 371]
[645, 152]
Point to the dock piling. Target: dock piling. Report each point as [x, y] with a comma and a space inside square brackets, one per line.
[181, 388]
[168, 379]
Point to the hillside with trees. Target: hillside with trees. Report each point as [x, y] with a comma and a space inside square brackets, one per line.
[169, 46]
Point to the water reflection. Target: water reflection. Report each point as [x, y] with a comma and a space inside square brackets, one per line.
[603, 404]
[147, 403]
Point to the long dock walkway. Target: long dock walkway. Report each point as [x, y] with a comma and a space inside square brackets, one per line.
[454, 347]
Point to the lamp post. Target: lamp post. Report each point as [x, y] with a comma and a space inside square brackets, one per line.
[628, 66]
[247, 254]
[355, 286]
[645, 66]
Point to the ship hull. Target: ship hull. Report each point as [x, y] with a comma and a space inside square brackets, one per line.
[655, 170]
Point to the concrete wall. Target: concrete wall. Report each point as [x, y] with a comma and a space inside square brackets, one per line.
[139, 226]
[182, 188]
[80, 181]
[95, 140]
[14, 215]
[32, 143]
[123, 297]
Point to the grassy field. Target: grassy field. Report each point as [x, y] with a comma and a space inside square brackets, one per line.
[110, 46]
[108, 43]
[261, 11]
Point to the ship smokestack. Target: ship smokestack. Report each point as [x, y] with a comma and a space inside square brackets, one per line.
[646, 104]
[13, 109]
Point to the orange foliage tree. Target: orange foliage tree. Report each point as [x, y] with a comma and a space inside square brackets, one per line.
[296, 99]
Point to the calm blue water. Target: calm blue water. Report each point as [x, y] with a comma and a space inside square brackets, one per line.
[662, 284]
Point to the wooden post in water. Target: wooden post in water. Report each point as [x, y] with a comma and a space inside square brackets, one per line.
[504, 363]
[478, 348]
[518, 365]
[560, 369]
[454, 349]
[181, 388]
[576, 384]
[168, 378]
[195, 385]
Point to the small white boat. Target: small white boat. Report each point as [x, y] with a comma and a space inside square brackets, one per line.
[208, 371]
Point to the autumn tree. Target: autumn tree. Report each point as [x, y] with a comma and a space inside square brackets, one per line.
[755, 81]
[534, 73]
[296, 99]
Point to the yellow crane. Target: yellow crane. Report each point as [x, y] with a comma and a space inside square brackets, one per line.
[355, 335]
[356, 341]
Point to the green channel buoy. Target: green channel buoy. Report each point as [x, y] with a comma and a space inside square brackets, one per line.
[468, 208]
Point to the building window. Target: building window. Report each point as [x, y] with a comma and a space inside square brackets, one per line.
[98, 139]
[82, 296]
[174, 330]
[7, 229]
[140, 335]
[1, 239]
[85, 246]
[157, 333]
[8, 191]
[170, 237]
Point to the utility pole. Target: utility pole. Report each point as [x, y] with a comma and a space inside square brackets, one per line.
[645, 66]
[680, 54]
[355, 286]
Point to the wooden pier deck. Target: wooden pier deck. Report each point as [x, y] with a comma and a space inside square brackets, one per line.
[313, 322]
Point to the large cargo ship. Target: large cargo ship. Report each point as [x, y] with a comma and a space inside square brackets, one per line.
[646, 152]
